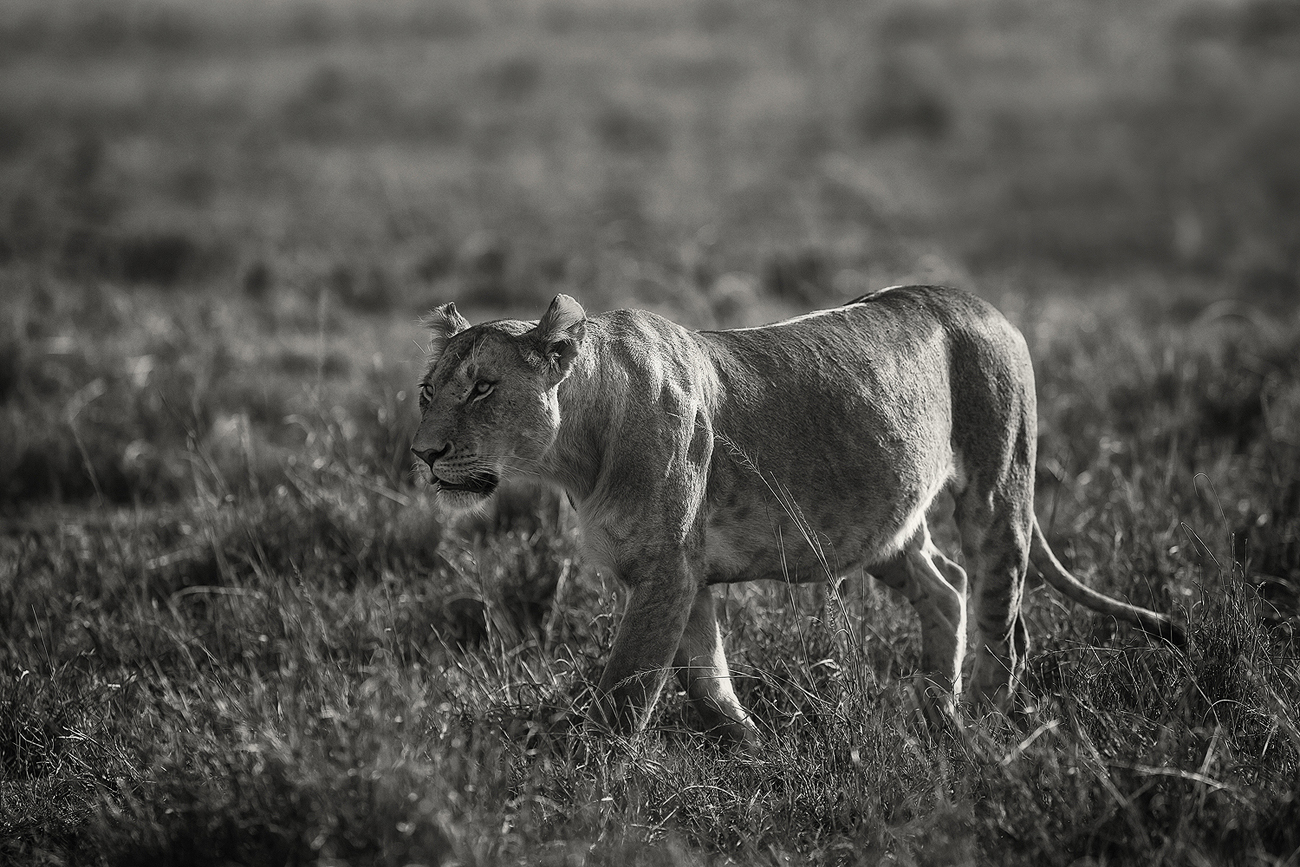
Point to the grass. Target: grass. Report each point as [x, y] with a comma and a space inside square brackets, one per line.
[234, 629]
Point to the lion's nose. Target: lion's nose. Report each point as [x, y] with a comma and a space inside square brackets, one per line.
[430, 455]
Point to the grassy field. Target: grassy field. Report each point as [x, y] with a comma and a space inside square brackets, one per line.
[234, 630]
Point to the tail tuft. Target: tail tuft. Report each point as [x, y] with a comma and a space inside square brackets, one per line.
[1173, 633]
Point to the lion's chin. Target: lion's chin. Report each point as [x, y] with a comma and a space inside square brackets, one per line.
[460, 502]
[468, 495]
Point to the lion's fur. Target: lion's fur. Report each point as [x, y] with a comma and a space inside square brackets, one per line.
[794, 451]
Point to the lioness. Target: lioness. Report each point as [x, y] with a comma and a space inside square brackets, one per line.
[792, 451]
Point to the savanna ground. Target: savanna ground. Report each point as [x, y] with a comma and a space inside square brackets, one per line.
[234, 630]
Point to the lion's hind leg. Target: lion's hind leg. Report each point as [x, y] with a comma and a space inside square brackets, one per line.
[996, 541]
[936, 588]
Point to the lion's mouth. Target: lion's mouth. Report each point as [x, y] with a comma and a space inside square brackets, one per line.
[480, 484]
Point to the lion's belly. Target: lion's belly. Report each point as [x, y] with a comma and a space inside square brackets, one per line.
[827, 450]
[774, 533]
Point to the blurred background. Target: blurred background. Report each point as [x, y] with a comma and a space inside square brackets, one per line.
[245, 199]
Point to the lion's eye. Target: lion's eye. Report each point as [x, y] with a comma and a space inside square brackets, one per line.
[426, 392]
[482, 388]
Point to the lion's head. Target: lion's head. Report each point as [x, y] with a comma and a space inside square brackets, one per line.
[488, 402]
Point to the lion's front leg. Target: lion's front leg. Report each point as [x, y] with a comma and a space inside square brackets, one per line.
[647, 639]
[702, 669]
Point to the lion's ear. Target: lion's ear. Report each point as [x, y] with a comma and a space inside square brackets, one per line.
[559, 333]
[444, 322]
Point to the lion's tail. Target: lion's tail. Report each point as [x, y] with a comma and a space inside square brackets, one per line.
[1051, 569]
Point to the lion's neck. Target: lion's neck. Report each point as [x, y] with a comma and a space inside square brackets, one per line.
[587, 415]
[615, 393]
